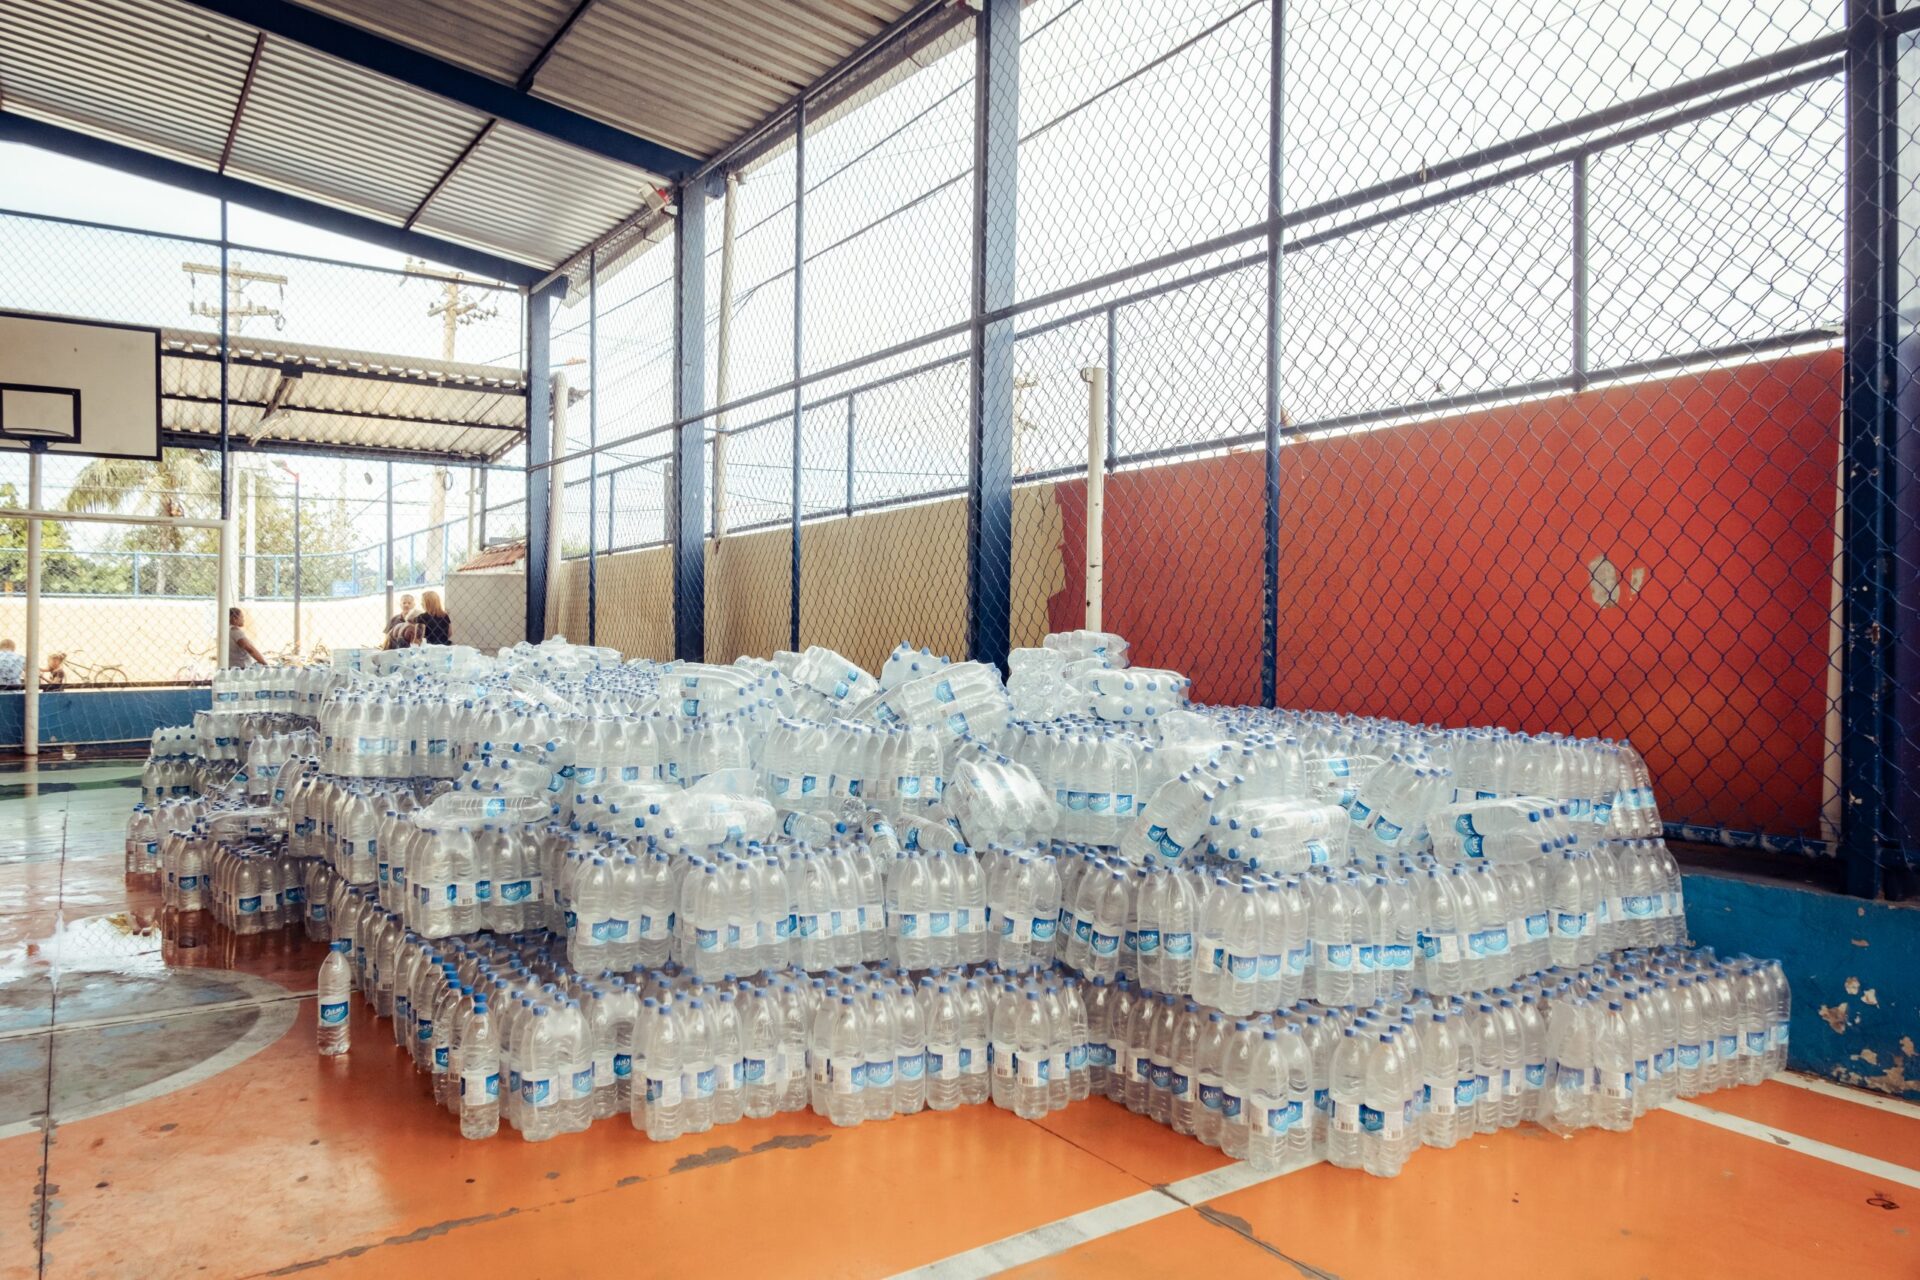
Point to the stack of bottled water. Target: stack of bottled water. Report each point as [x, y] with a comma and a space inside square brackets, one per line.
[1364, 1086]
[772, 885]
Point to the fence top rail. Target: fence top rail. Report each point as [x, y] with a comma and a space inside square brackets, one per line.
[93, 517]
[214, 242]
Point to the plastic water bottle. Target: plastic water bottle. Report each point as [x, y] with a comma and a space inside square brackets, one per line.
[1347, 1087]
[910, 1062]
[480, 1075]
[659, 1107]
[335, 992]
[540, 1084]
[840, 1056]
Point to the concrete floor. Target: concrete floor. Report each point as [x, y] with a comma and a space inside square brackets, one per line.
[194, 1132]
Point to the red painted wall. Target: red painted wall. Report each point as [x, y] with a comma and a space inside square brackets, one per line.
[1446, 572]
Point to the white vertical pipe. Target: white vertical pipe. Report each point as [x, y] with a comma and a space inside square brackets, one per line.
[223, 592]
[249, 552]
[30, 682]
[722, 353]
[556, 497]
[1096, 380]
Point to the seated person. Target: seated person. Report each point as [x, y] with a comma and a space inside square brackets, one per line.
[433, 616]
[241, 651]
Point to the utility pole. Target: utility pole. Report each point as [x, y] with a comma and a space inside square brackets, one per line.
[457, 306]
[240, 306]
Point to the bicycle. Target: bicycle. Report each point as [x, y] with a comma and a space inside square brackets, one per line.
[80, 673]
[200, 667]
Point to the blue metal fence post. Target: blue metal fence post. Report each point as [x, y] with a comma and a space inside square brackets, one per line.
[996, 139]
[850, 427]
[593, 444]
[799, 355]
[539, 452]
[1270, 522]
[1867, 458]
[688, 500]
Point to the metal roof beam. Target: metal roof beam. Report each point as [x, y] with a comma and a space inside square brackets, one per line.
[240, 103]
[532, 73]
[170, 439]
[362, 48]
[187, 177]
[472, 145]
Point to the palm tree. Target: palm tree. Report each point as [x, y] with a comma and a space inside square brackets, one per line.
[128, 486]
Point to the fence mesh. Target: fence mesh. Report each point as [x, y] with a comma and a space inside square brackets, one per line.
[1552, 302]
[334, 368]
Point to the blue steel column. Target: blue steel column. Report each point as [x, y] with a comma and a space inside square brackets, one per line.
[593, 444]
[799, 344]
[539, 452]
[1867, 456]
[226, 364]
[1270, 578]
[688, 499]
[996, 134]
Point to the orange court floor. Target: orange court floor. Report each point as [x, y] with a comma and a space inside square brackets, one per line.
[163, 1113]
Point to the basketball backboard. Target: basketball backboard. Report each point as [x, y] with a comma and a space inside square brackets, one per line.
[81, 386]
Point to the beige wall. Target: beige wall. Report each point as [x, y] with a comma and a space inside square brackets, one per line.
[153, 638]
[634, 594]
[866, 584]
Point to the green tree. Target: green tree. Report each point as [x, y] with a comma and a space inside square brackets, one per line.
[181, 480]
[62, 569]
[326, 532]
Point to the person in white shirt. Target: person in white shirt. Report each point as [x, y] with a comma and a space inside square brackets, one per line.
[241, 651]
[13, 666]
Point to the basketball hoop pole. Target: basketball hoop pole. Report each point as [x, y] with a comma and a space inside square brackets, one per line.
[30, 682]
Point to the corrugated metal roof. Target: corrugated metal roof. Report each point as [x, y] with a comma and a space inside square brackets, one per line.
[572, 198]
[118, 71]
[697, 76]
[165, 76]
[317, 125]
[331, 396]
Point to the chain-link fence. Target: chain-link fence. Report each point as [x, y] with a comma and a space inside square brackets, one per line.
[1449, 362]
[373, 416]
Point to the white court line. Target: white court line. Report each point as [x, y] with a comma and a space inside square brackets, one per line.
[1077, 1229]
[154, 1015]
[1885, 1170]
[1846, 1093]
[275, 1020]
[1045, 1241]
[1226, 1180]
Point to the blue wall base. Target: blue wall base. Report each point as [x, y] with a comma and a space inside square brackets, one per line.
[1854, 967]
[97, 716]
